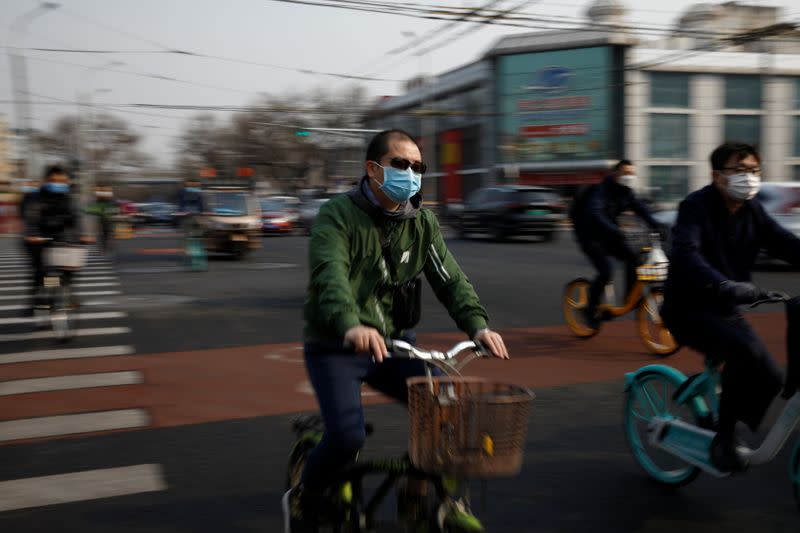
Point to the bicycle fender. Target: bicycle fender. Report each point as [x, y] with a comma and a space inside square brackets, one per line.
[630, 377]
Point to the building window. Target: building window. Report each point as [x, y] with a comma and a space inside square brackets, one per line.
[743, 128]
[669, 89]
[669, 184]
[742, 92]
[669, 136]
[796, 173]
[796, 151]
[797, 93]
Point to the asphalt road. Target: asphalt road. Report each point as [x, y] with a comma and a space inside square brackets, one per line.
[210, 453]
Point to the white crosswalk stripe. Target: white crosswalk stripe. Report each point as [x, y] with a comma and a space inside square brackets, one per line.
[82, 278]
[65, 353]
[88, 303]
[98, 286]
[24, 297]
[27, 287]
[79, 316]
[80, 486]
[68, 382]
[51, 426]
[87, 332]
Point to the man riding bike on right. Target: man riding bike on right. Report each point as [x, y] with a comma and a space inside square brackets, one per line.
[720, 231]
[594, 216]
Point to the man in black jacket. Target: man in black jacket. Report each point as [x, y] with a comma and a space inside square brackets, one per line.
[594, 216]
[48, 215]
[719, 232]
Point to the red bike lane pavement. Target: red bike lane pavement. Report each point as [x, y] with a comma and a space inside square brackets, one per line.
[251, 381]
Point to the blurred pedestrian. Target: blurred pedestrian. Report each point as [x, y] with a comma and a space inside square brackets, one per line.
[105, 208]
[595, 213]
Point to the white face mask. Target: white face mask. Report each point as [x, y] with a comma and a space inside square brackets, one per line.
[743, 186]
[628, 180]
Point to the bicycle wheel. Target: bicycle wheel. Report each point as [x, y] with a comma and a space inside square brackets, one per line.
[297, 462]
[575, 300]
[653, 332]
[650, 395]
[62, 318]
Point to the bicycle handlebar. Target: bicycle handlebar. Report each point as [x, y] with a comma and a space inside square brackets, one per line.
[398, 348]
[774, 297]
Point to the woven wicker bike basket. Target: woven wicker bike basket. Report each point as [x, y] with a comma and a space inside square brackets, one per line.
[467, 426]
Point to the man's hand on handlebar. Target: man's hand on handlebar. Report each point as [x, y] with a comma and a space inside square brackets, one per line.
[34, 239]
[493, 342]
[366, 339]
[85, 239]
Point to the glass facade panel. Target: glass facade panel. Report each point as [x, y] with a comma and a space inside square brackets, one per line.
[669, 89]
[796, 151]
[742, 92]
[669, 184]
[796, 174]
[744, 128]
[669, 136]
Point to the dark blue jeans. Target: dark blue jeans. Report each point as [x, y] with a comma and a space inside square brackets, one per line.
[750, 378]
[336, 376]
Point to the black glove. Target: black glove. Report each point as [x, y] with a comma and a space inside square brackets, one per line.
[742, 292]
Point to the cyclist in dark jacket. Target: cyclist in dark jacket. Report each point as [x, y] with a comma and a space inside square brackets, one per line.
[598, 233]
[48, 215]
[719, 232]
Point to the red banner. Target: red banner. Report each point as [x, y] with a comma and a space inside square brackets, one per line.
[554, 130]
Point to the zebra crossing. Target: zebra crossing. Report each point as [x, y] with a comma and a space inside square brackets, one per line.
[38, 391]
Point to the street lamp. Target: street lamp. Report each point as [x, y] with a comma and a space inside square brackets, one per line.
[88, 185]
[19, 76]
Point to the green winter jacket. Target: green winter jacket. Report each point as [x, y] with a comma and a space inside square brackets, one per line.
[349, 281]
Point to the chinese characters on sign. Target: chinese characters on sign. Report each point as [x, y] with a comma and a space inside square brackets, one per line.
[555, 105]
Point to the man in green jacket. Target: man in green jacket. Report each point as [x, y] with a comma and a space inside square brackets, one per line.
[365, 245]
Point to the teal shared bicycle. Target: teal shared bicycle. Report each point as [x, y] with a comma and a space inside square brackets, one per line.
[670, 419]
[460, 428]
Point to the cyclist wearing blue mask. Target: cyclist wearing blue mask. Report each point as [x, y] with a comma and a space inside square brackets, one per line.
[368, 248]
[49, 215]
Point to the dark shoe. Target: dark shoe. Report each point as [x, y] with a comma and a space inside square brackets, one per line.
[724, 456]
[297, 519]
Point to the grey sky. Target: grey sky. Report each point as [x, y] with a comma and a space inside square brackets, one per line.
[295, 36]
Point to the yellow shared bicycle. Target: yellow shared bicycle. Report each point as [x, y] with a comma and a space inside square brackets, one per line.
[645, 297]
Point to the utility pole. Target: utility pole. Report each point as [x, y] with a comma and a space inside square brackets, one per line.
[19, 81]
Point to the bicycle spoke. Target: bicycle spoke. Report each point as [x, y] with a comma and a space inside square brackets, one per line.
[656, 410]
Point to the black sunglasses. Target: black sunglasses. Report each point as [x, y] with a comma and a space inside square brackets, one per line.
[403, 164]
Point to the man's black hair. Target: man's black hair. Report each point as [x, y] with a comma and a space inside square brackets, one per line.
[723, 153]
[622, 163]
[379, 145]
[52, 170]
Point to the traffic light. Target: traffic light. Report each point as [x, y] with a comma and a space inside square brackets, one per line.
[302, 133]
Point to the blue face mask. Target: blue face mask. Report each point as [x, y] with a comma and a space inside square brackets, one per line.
[400, 185]
[57, 188]
[192, 189]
